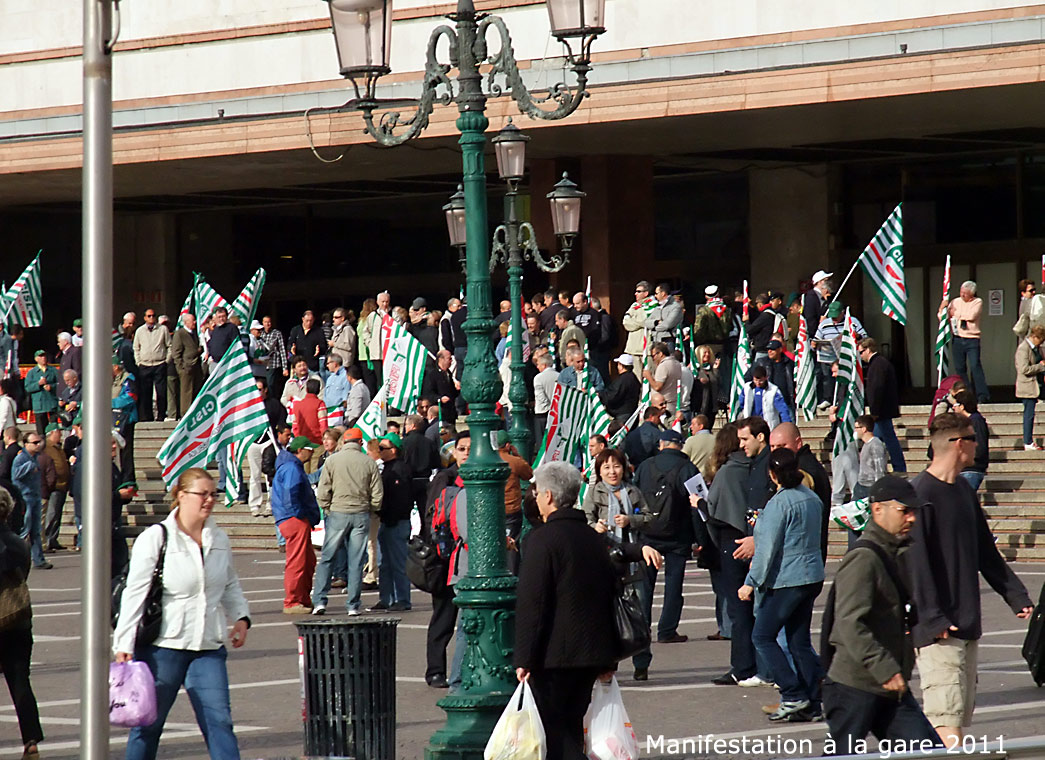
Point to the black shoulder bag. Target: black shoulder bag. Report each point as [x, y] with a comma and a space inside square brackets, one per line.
[152, 612]
[629, 617]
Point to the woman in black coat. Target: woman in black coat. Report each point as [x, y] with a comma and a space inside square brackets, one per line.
[565, 636]
[16, 639]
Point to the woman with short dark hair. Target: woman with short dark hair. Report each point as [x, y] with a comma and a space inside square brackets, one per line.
[787, 574]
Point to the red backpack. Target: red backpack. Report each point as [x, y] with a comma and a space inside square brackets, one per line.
[445, 536]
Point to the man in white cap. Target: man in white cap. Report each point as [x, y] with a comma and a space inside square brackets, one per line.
[634, 322]
[713, 321]
[814, 309]
[621, 398]
[258, 352]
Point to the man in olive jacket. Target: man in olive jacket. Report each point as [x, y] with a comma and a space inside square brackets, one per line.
[866, 690]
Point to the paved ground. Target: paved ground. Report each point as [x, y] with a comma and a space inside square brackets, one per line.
[678, 701]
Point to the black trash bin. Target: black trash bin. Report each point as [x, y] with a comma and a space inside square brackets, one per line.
[348, 670]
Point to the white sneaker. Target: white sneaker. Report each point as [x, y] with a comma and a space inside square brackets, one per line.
[823, 406]
[319, 609]
[755, 680]
[1031, 447]
[354, 613]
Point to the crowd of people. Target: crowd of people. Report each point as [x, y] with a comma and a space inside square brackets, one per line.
[760, 529]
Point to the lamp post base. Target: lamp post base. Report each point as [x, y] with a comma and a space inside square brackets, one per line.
[487, 676]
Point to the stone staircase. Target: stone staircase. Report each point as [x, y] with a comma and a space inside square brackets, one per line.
[152, 503]
[1013, 493]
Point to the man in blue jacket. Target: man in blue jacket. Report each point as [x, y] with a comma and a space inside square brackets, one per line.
[296, 512]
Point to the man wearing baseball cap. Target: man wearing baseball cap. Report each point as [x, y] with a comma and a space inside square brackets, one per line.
[621, 398]
[296, 512]
[868, 650]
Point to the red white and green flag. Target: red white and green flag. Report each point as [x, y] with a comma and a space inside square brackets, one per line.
[22, 303]
[882, 262]
[246, 303]
[404, 368]
[202, 299]
[229, 410]
[390, 331]
[373, 421]
[805, 382]
[851, 373]
[564, 438]
[944, 331]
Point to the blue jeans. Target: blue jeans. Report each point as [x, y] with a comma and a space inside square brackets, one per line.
[790, 609]
[883, 428]
[31, 529]
[725, 626]
[967, 351]
[674, 571]
[393, 585]
[207, 683]
[741, 614]
[1028, 419]
[342, 528]
[975, 478]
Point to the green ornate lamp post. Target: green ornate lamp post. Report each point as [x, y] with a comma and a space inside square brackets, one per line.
[362, 32]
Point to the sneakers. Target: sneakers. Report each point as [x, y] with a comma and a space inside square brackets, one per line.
[787, 709]
[726, 679]
[755, 680]
[1031, 447]
[297, 609]
[319, 609]
[400, 607]
[823, 406]
[354, 613]
[809, 715]
[43, 566]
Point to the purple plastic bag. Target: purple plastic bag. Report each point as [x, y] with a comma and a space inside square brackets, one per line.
[132, 694]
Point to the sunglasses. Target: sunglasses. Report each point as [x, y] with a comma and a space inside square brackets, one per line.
[903, 510]
[971, 438]
[384, 448]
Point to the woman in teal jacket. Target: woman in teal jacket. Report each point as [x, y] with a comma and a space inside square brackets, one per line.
[788, 574]
[41, 383]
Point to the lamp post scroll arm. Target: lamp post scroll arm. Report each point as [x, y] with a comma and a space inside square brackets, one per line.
[383, 129]
[503, 63]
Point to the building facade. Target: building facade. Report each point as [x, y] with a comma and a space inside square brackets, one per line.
[758, 140]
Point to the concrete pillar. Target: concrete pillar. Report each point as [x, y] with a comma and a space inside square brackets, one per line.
[145, 252]
[790, 224]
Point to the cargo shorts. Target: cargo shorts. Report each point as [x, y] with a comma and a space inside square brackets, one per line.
[948, 674]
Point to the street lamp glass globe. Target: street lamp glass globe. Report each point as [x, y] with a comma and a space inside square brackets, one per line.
[510, 148]
[565, 201]
[363, 34]
[577, 18]
[455, 225]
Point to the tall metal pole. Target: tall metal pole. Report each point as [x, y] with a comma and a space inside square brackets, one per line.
[486, 595]
[97, 443]
[521, 432]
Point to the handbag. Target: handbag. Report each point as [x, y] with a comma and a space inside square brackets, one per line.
[152, 611]
[424, 567]
[629, 619]
[15, 607]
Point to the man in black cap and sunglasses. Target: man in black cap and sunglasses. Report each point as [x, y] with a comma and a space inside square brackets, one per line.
[951, 546]
[866, 646]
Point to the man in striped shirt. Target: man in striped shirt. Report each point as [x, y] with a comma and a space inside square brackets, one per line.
[278, 371]
[827, 340]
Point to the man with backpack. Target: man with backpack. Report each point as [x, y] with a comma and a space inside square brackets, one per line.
[866, 648]
[668, 528]
[446, 526]
[712, 322]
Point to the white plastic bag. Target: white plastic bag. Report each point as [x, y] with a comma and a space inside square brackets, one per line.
[519, 733]
[608, 728]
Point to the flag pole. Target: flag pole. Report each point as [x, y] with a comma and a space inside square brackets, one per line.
[851, 270]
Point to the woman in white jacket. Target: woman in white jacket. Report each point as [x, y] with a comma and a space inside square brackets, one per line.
[200, 592]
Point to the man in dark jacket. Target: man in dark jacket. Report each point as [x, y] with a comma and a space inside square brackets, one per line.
[952, 545]
[967, 406]
[420, 454]
[392, 536]
[306, 340]
[668, 528]
[565, 639]
[296, 512]
[787, 435]
[780, 370]
[621, 398]
[11, 450]
[641, 443]
[883, 399]
[439, 387]
[866, 690]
